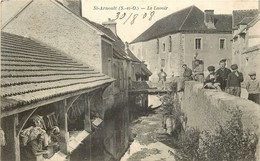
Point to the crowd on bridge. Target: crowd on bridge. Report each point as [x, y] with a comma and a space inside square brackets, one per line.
[222, 79]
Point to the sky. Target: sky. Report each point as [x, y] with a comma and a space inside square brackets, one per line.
[128, 32]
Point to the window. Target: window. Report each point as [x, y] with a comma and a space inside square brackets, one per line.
[222, 43]
[198, 44]
[162, 63]
[157, 45]
[164, 47]
[170, 44]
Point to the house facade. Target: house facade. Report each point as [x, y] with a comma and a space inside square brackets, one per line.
[246, 41]
[174, 40]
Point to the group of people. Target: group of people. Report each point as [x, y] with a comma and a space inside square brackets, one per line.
[222, 79]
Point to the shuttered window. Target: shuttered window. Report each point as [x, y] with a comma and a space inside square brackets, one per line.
[170, 44]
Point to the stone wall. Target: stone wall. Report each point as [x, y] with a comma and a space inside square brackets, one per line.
[147, 51]
[205, 108]
[210, 52]
[48, 22]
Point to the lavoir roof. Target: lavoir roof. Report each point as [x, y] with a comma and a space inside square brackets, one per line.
[32, 72]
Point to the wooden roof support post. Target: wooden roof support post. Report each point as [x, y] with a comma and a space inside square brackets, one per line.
[11, 150]
[102, 103]
[63, 123]
[87, 122]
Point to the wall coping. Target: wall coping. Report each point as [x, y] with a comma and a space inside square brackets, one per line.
[222, 97]
[222, 100]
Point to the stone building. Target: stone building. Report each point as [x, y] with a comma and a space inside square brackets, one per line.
[40, 82]
[246, 41]
[59, 24]
[174, 39]
[51, 23]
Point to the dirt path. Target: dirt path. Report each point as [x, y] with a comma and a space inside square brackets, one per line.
[150, 141]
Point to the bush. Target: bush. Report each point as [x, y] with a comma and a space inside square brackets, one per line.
[188, 146]
[228, 143]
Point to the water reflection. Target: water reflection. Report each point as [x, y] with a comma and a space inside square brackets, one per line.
[109, 142]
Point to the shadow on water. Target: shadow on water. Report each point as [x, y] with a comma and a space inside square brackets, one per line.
[109, 142]
[112, 140]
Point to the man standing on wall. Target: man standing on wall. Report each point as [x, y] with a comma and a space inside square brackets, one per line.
[223, 72]
[187, 76]
[162, 79]
[234, 81]
[198, 71]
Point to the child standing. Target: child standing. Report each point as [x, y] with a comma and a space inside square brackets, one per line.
[253, 88]
[234, 81]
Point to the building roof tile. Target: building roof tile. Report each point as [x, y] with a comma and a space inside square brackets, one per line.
[32, 72]
[239, 15]
[190, 19]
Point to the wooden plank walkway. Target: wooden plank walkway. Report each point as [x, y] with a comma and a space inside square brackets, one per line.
[151, 91]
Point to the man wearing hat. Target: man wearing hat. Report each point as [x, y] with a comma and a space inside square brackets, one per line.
[223, 72]
[187, 76]
[234, 81]
[253, 88]
[212, 81]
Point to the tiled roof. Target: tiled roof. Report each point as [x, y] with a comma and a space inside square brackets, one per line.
[190, 19]
[32, 72]
[145, 70]
[248, 22]
[131, 55]
[252, 49]
[239, 15]
[118, 43]
[245, 20]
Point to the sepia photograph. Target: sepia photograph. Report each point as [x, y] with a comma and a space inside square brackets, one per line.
[130, 80]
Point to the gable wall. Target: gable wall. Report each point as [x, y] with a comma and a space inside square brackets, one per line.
[49, 23]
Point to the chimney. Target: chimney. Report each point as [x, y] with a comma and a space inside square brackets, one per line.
[209, 19]
[111, 25]
[74, 6]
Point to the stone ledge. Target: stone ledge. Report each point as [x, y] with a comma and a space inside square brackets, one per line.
[205, 108]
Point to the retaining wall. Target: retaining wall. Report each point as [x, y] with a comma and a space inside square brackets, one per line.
[205, 108]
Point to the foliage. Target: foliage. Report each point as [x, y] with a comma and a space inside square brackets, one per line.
[228, 143]
[188, 146]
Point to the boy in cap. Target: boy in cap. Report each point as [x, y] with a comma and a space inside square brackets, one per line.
[212, 81]
[234, 81]
[253, 88]
[223, 72]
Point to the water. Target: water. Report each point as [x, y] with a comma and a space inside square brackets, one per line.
[109, 142]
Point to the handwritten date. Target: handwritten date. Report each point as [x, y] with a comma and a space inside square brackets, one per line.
[132, 17]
